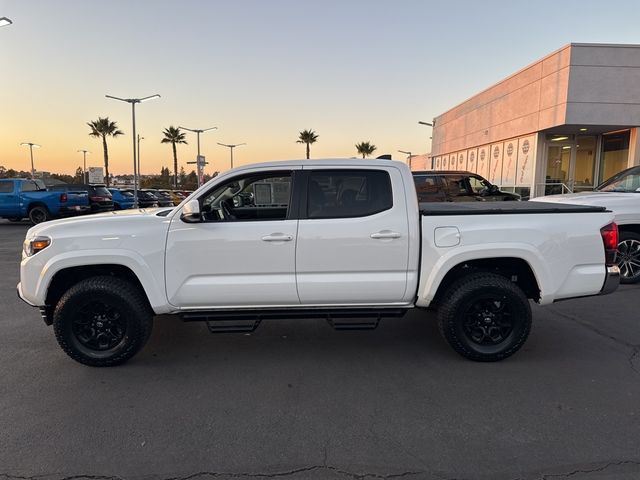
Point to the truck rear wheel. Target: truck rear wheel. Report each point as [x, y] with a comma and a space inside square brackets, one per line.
[102, 321]
[628, 257]
[39, 214]
[485, 317]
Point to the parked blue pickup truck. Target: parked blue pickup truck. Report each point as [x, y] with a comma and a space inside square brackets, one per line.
[20, 198]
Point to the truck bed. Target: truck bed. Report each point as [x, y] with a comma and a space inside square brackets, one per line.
[503, 208]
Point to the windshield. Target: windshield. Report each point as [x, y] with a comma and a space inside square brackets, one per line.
[102, 191]
[623, 182]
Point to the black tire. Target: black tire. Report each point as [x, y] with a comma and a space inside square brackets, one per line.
[484, 317]
[628, 257]
[39, 214]
[102, 321]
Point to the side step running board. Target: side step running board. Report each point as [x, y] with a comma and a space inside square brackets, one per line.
[232, 326]
[247, 320]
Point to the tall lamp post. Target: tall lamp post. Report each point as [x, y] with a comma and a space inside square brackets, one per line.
[5, 22]
[84, 165]
[199, 165]
[408, 158]
[31, 145]
[428, 124]
[133, 102]
[231, 147]
[139, 171]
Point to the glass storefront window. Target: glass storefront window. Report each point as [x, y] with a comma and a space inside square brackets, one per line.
[585, 163]
[615, 154]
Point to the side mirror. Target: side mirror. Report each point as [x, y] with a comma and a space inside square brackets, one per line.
[191, 212]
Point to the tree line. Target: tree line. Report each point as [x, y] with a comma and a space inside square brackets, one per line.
[104, 128]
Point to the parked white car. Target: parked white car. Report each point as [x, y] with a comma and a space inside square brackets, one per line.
[621, 195]
[341, 239]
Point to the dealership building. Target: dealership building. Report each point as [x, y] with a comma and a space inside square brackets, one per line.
[563, 124]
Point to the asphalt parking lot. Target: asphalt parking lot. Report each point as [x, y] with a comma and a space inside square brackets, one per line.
[297, 399]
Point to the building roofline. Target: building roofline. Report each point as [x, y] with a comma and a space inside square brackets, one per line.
[542, 59]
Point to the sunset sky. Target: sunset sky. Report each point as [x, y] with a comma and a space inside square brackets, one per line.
[261, 71]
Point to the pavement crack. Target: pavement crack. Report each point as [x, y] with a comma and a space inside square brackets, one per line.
[633, 357]
[595, 330]
[287, 473]
[598, 469]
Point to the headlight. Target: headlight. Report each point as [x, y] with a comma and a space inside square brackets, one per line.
[33, 246]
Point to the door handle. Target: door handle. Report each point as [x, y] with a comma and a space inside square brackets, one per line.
[385, 234]
[277, 237]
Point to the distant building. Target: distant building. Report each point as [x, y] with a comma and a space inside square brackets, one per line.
[565, 123]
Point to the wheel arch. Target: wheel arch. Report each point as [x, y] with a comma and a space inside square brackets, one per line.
[515, 269]
[65, 278]
[630, 227]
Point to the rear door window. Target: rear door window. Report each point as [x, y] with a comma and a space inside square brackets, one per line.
[348, 193]
[456, 185]
[428, 188]
[6, 187]
[30, 187]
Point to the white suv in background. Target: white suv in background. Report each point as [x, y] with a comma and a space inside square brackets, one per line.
[621, 195]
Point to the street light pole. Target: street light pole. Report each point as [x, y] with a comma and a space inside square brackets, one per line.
[428, 124]
[231, 147]
[133, 102]
[84, 165]
[139, 171]
[198, 131]
[409, 158]
[31, 145]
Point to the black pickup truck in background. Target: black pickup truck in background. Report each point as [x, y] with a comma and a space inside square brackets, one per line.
[454, 186]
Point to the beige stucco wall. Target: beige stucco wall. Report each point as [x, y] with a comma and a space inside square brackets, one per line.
[528, 101]
[580, 84]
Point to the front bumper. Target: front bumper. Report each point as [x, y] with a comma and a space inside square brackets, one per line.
[21, 296]
[611, 281]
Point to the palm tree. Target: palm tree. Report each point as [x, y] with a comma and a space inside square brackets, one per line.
[365, 149]
[103, 128]
[173, 135]
[308, 137]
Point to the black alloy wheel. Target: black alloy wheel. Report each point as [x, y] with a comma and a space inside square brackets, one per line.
[489, 320]
[484, 317]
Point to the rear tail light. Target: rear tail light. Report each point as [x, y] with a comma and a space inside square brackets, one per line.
[63, 197]
[609, 235]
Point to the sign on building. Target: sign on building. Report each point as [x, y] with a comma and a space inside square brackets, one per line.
[526, 157]
[510, 156]
[96, 175]
[495, 165]
[461, 163]
[483, 161]
[472, 160]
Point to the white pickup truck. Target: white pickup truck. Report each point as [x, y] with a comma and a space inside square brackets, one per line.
[345, 240]
[621, 195]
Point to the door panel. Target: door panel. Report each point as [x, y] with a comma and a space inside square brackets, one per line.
[231, 264]
[355, 260]
[8, 199]
[236, 257]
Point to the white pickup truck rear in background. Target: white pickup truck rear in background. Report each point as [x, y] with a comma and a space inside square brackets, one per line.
[341, 239]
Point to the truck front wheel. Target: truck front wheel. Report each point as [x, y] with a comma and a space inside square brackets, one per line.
[102, 321]
[485, 317]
